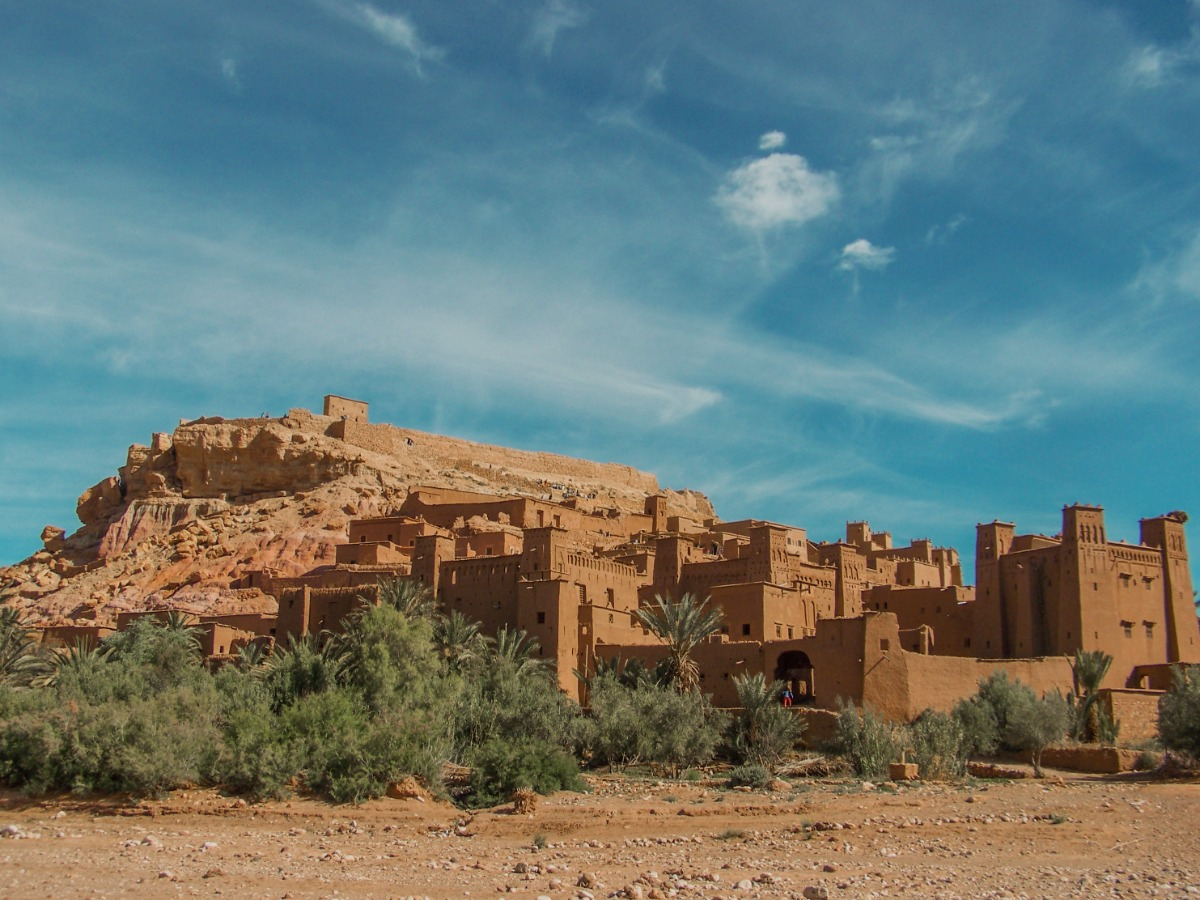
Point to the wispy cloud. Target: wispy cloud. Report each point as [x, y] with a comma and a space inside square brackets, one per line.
[552, 18]
[928, 137]
[775, 191]
[943, 231]
[229, 71]
[393, 29]
[772, 140]
[862, 254]
[1174, 277]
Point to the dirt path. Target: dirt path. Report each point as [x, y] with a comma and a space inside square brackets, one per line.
[1065, 837]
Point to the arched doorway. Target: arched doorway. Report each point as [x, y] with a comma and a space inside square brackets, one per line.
[795, 669]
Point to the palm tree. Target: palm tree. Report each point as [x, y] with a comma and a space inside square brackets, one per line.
[306, 666]
[409, 596]
[80, 659]
[20, 661]
[519, 649]
[250, 656]
[1087, 672]
[682, 625]
[458, 640]
[764, 731]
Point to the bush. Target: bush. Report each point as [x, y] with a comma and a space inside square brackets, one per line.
[496, 701]
[143, 746]
[350, 756]
[501, 767]
[868, 742]
[749, 776]
[938, 745]
[651, 723]
[984, 717]
[764, 731]
[256, 757]
[1034, 724]
[1179, 713]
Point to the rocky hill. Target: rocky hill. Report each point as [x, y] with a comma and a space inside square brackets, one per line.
[185, 520]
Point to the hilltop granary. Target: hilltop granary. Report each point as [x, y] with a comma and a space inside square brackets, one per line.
[858, 618]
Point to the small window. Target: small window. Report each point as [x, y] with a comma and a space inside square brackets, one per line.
[790, 634]
[746, 629]
[778, 631]
[1128, 627]
[541, 618]
[1149, 629]
[967, 642]
[610, 618]
[885, 645]
[489, 551]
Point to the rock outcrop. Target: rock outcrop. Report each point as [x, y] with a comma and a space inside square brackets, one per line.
[188, 520]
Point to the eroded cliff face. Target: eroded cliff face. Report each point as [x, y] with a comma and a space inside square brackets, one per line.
[188, 518]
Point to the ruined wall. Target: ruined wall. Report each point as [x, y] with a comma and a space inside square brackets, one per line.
[489, 543]
[374, 554]
[65, 636]
[343, 408]
[938, 682]
[700, 578]
[949, 612]
[482, 588]
[258, 624]
[1136, 712]
[764, 612]
[549, 611]
[222, 640]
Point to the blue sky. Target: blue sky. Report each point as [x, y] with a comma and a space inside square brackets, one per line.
[927, 264]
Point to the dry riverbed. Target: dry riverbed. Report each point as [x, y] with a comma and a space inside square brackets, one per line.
[1067, 836]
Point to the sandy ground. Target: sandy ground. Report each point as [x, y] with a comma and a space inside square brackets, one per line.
[1068, 836]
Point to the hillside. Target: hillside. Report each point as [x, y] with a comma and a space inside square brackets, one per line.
[189, 516]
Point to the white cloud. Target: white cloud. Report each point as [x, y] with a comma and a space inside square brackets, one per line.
[1178, 275]
[396, 30]
[862, 254]
[229, 71]
[777, 190]
[772, 140]
[553, 18]
[655, 78]
[1147, 67]
[928, 138]
[942, 232]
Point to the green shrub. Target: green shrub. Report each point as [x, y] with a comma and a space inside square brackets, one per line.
[1033, 724]
[390, 657]
[31, 751]
[984, 717]
[750, 776]
[256, 756]
[763, 731]
[651, 723]
[1179, 712]
[938, 745]
[500, 767]
[503, 699]
[867, 742]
